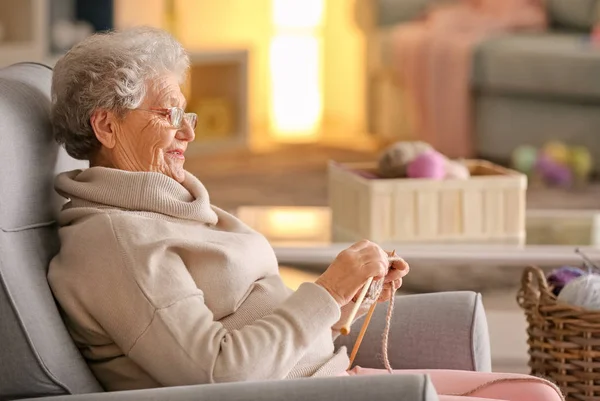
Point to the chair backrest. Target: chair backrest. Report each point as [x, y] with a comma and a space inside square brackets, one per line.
[37, 355]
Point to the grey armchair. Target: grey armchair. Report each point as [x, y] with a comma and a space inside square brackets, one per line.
[38, 358]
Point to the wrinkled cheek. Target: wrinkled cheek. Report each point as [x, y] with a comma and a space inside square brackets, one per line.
[147, 153]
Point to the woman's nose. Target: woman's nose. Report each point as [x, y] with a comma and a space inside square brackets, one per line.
[186, 133]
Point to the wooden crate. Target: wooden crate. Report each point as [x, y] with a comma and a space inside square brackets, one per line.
[488, 207]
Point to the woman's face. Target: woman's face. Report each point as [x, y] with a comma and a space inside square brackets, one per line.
[146, 141]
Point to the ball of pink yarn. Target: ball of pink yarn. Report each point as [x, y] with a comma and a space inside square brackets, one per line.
[429, 164]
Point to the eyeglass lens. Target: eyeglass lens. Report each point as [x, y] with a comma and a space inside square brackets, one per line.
[192, 119]
[175, 117]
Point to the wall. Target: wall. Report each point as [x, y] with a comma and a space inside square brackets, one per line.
[345, 84]
[233, 23]
[247, 23]
[139, 12]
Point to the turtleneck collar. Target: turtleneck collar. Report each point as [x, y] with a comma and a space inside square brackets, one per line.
[137, 191]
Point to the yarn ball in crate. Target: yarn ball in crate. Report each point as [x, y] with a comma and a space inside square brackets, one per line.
[557, 151]
[583, 291]
[581, 162]
[555, 163]
[456, 170]
[396, 158]
[429, 164]
[553, 172]
[558, 278]
[524, 158]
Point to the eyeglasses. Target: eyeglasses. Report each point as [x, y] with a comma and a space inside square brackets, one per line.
[175, 116]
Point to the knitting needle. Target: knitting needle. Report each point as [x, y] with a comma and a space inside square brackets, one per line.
[361, 334]
[586, 261]
[345, 330]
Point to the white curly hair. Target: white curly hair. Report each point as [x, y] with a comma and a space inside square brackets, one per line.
[108, 71]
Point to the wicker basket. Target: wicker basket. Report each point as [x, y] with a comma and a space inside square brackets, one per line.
[564, 340]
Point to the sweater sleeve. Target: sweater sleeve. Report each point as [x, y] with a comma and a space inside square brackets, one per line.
[183, 344]
[345, 313]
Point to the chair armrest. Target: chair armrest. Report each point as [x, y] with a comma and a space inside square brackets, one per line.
[445, 330]
[358, 388]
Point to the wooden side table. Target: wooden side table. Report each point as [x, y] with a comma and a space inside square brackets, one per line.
[217, 90]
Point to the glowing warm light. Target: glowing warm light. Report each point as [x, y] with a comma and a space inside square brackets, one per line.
[293, 224]
[297, 13]
[296, 93]
[295, 66]
[289, 224]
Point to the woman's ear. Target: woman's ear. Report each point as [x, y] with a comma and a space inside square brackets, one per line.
[104, 124]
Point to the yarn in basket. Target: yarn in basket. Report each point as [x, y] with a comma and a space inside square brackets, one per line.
[558, 278]
[583, 291]
[457, 170]
[416, 159]
[395, 159]
[429, 164]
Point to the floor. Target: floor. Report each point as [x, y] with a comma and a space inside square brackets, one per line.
[297, 176]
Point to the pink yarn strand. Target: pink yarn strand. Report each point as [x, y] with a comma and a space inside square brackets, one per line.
[386, 330]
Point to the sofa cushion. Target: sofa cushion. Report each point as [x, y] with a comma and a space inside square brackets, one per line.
[576, 14]
[573, 14]
[549, 64]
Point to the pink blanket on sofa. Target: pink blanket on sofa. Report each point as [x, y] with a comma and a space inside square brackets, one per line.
[434, 58]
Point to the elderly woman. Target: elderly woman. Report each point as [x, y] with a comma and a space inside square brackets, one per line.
[159, 287]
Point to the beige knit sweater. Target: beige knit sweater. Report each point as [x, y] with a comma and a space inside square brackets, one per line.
[159, 288]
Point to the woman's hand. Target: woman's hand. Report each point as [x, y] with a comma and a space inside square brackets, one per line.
[398, 270]
[352, 268]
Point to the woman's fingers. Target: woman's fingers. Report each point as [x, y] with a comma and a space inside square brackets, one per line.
[397, 283]
[386, 293]
[392, 275]
[357, 246]
[383, 257]
[371, 253]
[374, 261]
[402, 266]
[351, 269]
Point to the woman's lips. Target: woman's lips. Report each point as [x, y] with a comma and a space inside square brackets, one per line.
[177, 154]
